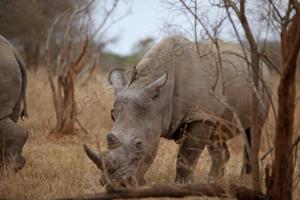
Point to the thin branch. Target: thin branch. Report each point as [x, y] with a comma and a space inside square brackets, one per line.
[276, 9]
[296, 142]
[198, 19]
[269, 63]
[107, 16]
[95, 64]
[266, 154]
[81, 126]
[78, 65]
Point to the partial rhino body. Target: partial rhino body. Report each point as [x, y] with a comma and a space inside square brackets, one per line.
[179, 91]
[13, 81]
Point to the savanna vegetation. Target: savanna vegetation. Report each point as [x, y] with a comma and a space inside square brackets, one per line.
[58, 167]
[60, 43]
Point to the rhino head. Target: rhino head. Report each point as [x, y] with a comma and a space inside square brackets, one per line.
[133, 141]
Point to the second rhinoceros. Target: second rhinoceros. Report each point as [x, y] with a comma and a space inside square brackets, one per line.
[13, 81]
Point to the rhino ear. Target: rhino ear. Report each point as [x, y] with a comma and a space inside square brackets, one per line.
[154, 88]
[117, 79]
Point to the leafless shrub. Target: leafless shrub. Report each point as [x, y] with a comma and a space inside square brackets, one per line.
[78, 54]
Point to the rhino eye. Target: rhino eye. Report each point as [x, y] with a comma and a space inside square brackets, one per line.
[112, 114]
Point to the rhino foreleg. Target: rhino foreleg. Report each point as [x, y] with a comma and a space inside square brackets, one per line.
[12, 140]
[187, 159]
[190, 150]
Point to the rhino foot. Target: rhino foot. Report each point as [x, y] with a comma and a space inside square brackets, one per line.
[184, 179]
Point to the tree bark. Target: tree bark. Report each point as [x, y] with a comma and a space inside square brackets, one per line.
[282, 175]
[256, 123]
[68, 117]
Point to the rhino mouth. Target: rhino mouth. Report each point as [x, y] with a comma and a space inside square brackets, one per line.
[117, 185]
[122, 178]
[113, 176]
[20, 162]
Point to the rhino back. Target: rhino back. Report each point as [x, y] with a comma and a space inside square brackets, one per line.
[193, 75]
[197, 77]
[10, 79]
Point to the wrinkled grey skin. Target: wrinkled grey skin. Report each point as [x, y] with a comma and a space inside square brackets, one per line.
[12, 105]
[171, 97]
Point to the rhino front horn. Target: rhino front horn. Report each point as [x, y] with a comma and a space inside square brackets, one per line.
[95, 157]
[112, 141]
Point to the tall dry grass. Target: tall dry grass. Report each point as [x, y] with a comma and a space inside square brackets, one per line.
[58, 167]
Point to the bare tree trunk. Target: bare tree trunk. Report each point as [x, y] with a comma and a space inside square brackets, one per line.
[282, 176]
[256, 123]
[66, 122]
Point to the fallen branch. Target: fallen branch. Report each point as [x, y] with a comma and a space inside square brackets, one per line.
[176, 191]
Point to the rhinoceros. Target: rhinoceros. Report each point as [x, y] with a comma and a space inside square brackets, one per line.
[13, 81]
[180, 90]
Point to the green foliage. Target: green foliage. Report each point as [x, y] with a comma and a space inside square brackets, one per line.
[142, 46]
[109, 61]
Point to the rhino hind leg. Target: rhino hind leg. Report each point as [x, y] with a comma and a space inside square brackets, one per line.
[190, 151]
[220, 155]
[13, 138]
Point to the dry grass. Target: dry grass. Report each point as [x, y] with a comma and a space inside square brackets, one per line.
[58, 167]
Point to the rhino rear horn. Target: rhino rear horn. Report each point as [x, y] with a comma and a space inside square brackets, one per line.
[93, 156]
